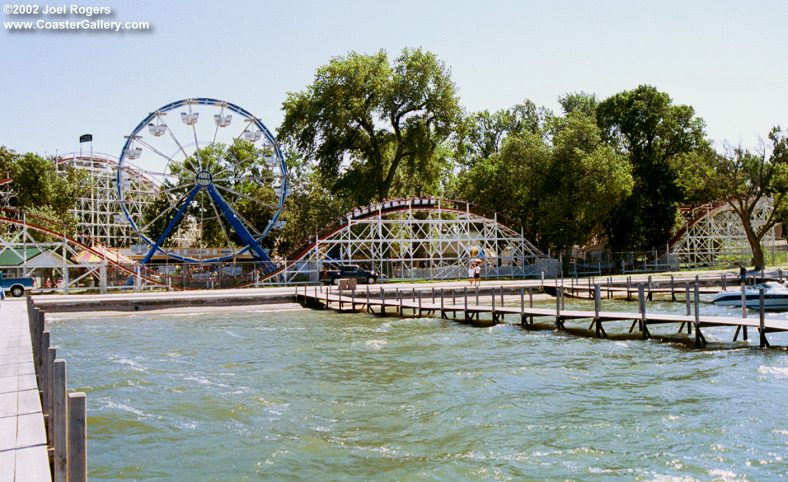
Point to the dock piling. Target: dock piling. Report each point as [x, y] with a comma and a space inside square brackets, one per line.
[699, 338]
[642, 309]
[77, 441]
[59, 419]
[597, 309]
[761, 329]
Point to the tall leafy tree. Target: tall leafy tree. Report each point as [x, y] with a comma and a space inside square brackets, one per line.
[744, 178]
[653, 133]
[364, 118]
[40, 189]
[7, 157]
[481, 134]
[586, 180]
[510, 182]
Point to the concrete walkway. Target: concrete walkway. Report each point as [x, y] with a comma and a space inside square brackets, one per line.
[23, 449]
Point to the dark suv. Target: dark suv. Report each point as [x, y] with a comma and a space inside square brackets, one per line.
[332, 276]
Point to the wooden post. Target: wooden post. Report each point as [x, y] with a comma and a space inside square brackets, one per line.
[77, 438]
[780, 274]
[465, 295]
[698, 335]
[477, 296]
[433, 295]
[522, 303]
[572, 285]
[629, 283]
[382, 302]
[650, 286]
[642, 308]
[399, 299]
[367, 298]
[353, 298]
[502, 301]
[724, 284]
[43, 380]
[419, 303]
[597, 309]
[59, 419]
[492, 313]
[530, 298]
[761, 330]
[563, 301]
[441, 302]
[50, 389]
[589, 288]
[672, 289]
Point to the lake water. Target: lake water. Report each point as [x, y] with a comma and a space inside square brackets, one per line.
[310, 395]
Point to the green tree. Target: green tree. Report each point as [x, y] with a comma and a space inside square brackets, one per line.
[654, 133]
[481, 134]
[581, 102]
[744, 178]
[40, 189]
[7, 157]
[585, 181]
[510, 182]
[363, 118]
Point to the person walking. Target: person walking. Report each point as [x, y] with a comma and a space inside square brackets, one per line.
[471, 271]
[477, 273]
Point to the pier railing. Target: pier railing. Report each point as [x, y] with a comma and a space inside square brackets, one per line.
[65, 414]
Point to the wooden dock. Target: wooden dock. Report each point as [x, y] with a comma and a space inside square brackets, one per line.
[43, 433]
[23, 439]
[466, 306]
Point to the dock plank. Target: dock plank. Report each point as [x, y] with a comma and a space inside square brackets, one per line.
[23, 451]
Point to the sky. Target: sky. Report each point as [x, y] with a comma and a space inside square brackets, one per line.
[727, 59]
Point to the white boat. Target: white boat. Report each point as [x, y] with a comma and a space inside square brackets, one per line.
[775, 297]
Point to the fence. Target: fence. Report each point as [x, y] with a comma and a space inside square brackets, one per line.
[65, 414]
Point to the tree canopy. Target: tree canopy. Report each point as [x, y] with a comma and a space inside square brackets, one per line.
[744, 178]
[364, 119]
[653, 133]
[40, 189]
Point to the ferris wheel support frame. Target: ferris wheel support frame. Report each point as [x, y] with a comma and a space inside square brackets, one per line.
[251, 243]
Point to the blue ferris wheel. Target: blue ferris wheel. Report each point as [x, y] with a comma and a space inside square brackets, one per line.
[218, 176]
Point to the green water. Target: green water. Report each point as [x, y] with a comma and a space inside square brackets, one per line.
[307, 395]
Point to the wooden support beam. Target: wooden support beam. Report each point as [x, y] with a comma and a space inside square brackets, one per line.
[77, 438]
[60, 422]
[642, 305]
[699, 338]
[50, 389]
[597, 309]
[761, 329]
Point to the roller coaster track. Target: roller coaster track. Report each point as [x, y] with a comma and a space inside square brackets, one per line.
[697, 215]
[387, 208]
[42, 229]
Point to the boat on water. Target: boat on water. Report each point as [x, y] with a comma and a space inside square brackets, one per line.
[775, 297]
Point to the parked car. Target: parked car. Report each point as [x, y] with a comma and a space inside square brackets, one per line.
[15, 286]
[332, 276]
